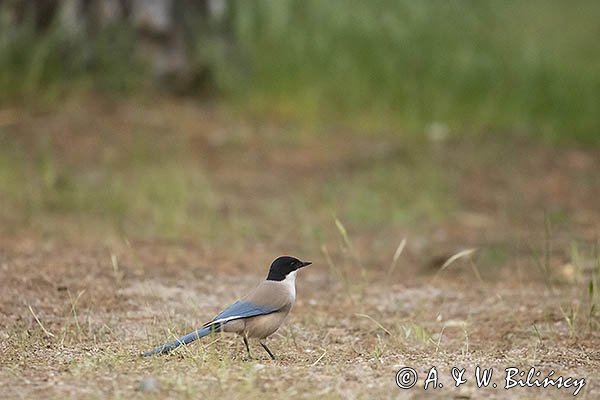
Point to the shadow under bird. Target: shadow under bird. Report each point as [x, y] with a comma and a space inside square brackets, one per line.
[257, 315]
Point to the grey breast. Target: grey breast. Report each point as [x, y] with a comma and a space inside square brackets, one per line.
[275, 295]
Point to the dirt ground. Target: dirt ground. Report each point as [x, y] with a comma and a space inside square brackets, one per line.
[83, 296]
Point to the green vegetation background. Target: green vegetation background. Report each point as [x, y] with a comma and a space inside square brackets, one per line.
[525, 67]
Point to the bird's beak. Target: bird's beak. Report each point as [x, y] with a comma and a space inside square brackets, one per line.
[305, 264]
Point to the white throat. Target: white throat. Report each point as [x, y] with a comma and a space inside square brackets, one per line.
[290, 284]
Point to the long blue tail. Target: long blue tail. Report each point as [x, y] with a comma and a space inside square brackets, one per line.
[189, 338]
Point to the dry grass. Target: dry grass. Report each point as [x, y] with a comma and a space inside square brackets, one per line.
[332, 346]
[86, 291]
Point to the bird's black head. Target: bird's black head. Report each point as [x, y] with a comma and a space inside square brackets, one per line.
[284, 265]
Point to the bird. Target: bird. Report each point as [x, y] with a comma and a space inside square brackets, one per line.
[257, 315]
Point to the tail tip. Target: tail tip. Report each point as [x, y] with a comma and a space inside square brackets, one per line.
[153, 352]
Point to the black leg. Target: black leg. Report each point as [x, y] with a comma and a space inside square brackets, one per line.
[246, 343]
[267, 349]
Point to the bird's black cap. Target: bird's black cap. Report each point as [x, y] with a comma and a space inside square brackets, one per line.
[284, 265]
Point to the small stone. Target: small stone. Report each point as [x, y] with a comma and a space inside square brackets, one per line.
[148, 384]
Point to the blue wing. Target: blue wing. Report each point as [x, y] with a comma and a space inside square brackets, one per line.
[241, 309]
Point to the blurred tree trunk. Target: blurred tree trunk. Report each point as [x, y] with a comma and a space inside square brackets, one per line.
[166, 30]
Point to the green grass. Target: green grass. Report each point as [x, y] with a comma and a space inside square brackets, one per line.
[401, 66]
[48, 64]
[156, 188]
[474, 66]
[147, 195]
